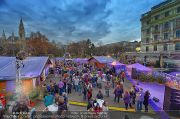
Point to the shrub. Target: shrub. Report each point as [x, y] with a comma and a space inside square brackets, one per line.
[142, 77]
[160, 80]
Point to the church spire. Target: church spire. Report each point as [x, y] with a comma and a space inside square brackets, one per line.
[3, 36]
[21, 30]
[22, 35]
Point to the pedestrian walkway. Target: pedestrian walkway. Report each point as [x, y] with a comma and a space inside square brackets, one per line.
[110, 107]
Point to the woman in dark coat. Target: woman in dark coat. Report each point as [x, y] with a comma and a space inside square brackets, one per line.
[146, 100]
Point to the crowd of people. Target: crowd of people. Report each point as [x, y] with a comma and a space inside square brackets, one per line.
[84, 78]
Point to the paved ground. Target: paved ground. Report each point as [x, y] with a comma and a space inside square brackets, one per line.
[113, 114]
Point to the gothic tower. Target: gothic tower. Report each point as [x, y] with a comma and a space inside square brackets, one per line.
[3, 39]
[3, 36]
[22, 35]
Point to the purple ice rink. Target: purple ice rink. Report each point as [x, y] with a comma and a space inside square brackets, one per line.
[156, 90]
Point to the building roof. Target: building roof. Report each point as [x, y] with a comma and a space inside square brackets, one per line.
[159, 6]
[33, 67]
[103, 59]
[140, 67]
[59, 59]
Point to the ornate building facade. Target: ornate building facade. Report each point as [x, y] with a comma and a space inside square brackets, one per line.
[160, 34]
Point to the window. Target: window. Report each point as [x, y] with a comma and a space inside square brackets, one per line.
[156, 17]
[147, 31]
[178, 9]
[178, 34]
[155, 37]
[147, 22]
[156, 27]
[147, 40]
[166, 25]
[178, 22]
[166, 36]
[147, 48]
[155, 47]
[177, 46]
[165, 47]
[166, 14]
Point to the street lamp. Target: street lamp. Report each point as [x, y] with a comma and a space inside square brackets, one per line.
[19, 64]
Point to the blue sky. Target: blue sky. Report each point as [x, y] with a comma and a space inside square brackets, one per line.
[73, 20]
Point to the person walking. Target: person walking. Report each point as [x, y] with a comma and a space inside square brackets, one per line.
[117, 92]
[76, 83]
[69, 86]
[48, 100]
[89, 94]
[80, 85]
[126, 99]
[107, 88]
[123, 76]
[140, 99]
[84, 91]
[133, 95]
[61, 85]
[146, 100]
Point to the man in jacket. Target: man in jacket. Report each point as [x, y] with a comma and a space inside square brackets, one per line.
[140, 99]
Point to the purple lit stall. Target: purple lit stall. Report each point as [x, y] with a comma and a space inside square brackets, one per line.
[118, 66]
[81, 60]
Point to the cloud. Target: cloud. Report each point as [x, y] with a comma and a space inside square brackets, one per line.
[67, 20]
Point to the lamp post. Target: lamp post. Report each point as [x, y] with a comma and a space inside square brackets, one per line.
[19, 65]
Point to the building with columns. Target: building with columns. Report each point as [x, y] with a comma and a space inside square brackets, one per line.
[160, 32]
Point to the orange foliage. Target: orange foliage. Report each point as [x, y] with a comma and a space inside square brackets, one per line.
[38, 46]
